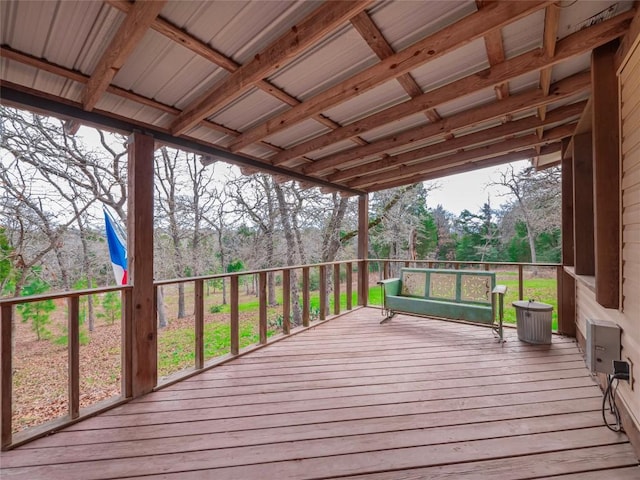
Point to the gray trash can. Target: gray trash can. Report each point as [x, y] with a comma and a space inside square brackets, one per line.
[534, 321]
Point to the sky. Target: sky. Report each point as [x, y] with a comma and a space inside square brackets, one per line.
[470, 190]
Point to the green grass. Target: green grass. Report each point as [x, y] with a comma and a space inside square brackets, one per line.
[176, 348]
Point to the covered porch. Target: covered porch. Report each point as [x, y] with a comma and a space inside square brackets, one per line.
[375, 95]
[413, 398]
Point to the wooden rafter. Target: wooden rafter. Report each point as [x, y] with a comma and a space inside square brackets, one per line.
[469, 166]
[375, 39]
[131, 31]
[315, 26]
[551, 22]
[474, 26]
[459, 158]
[492, 135]
[198, 47]
[76, 76]
[569, 47]
[516, 103]
[495, 53]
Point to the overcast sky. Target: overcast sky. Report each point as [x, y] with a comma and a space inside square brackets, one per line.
[469, 190]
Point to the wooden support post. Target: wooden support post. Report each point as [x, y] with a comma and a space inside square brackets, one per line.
[520, 282]
[235, 314]
[323, 291]
[349, 267]
[6, 379]
[567, 209]
[363, 250]
[73, 345]
[140, 257]
[336, 289]
[606, 175]
[567, 304]
[199, 322]
[306, 305]
[583, 204]
[286, 301]
[126, 355]
[262, 320]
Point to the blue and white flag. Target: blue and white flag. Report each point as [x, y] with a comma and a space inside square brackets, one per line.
[117, 248]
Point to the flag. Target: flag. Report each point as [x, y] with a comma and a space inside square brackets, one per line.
[117, 248]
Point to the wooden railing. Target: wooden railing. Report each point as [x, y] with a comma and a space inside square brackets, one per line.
[74, 414]
[385, 268]
[9, 439]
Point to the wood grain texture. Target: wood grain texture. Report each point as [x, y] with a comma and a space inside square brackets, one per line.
[311, 29]
[583, 204]
[428, 49]
[125, 40]
[606, 175]
[268, 415]
[6, 379]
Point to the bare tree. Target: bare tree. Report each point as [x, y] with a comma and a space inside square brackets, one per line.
[536, 199]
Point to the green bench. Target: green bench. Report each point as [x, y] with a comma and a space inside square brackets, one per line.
[463, 295]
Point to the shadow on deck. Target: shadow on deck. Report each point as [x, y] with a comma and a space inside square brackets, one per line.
[415, 398]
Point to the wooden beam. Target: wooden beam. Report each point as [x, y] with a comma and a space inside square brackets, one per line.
[606, 175]
[583, 204]
[514, 104]
[520, 143]
[630, 39]
[474, 26]
[63, 72]
[6, 376]
[131, 31]
[495, 53]
[363, 250]
[198, 47]
[494, 134]
[567, 307]
[375, 39]
[466, 167]
[567, 209]
[140, 258]
[576, 44]
[235, 314]
[551, 22]
[312, 28]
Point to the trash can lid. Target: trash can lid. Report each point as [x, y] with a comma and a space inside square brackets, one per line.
[529, 305]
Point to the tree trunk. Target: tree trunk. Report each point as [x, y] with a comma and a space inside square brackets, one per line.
[181, 309]
[162, 315]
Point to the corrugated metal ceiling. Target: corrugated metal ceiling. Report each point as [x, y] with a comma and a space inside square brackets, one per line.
[75, 35]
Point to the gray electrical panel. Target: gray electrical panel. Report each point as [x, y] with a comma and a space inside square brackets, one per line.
[603, 345]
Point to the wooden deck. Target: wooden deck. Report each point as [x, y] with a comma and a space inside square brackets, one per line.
[415, 398]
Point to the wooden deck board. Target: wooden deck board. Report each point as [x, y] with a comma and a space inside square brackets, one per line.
[435, 400]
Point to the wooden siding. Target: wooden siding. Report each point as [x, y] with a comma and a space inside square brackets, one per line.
[414, 398]
[630, 186]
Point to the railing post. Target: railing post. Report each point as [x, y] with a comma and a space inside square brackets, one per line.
[286, 301]
[323, 292]
[349, 267]
[262, 288]
[73, 344]
[6, 380]
[199, 322]
[306, 304]
[363, 250]
[336, 288]
[520, 283]
[235, 315]
[126, 320]
[486, 267]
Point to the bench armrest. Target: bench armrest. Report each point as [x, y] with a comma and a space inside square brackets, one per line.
[391, 286]
[500, 289]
